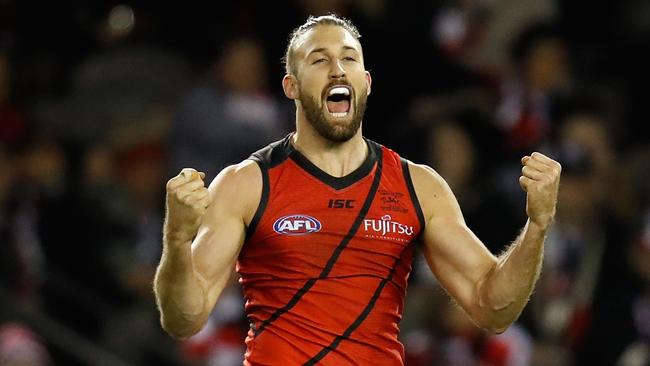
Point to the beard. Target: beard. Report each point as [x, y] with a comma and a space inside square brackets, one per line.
[334, 131]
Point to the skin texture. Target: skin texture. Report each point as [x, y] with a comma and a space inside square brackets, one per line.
[205, 228]
[491, 290]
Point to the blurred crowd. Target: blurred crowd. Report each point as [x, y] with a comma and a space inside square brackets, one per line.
[101, 103]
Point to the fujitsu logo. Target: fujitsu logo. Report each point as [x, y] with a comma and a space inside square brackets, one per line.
[386, 225]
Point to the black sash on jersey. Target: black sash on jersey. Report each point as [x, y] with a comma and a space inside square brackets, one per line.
[337, 252]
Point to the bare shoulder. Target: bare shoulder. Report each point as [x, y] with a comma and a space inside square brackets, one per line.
[431, 188]
[246, 173]
[237, 189]
[426, 178]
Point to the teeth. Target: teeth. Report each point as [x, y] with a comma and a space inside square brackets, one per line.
[339, 114]
[339, 90]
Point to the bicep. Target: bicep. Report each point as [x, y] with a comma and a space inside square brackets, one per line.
[457, 258]
[234, 196]
[214, 252]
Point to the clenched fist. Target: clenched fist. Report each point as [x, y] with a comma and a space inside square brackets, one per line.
[540, 178]
[187, 200]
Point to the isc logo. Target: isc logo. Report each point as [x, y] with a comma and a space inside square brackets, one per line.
[296, 225]
[340, 203]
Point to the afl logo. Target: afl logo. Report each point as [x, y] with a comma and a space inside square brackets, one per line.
[296, 225]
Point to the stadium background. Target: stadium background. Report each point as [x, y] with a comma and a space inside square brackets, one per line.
[101, 102]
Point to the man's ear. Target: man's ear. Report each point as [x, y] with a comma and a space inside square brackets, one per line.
[290, 86]
[369, 81]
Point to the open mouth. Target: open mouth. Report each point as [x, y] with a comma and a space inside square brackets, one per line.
[338, 101]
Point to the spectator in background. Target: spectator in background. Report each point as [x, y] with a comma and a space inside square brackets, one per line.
[457, 152]
[32, 182]
[14, 277]
[637, 351]
[537, 83]
[587, 128]
[230, 114]
[469, 58]
[583, 252]
[12, 130]
[138, 169]
[130, 255]
[540, 73]
[478, 33]
[30, 177]
[620, 329]
[574, 255]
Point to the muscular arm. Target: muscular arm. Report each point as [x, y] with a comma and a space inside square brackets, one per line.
[193, 271]
[492, 290]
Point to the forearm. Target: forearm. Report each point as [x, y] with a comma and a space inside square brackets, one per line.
[508, 286]
[180, 293]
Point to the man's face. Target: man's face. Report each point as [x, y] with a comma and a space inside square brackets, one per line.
[332, 82]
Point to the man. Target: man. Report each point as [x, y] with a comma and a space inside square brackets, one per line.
[322, 227]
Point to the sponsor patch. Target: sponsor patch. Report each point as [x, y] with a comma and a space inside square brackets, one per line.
[387, 229]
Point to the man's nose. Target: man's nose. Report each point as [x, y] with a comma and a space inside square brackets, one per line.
[336, 70]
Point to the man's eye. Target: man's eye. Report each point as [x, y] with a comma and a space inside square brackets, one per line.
[348, 58]
[318, 61]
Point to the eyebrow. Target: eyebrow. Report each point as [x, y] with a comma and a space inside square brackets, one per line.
[321, 49]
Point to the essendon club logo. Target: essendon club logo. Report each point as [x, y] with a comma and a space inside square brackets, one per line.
[296, 225]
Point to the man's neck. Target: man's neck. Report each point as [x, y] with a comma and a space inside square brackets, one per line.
[337, 159]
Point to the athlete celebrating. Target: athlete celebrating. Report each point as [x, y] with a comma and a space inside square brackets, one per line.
[322, 224]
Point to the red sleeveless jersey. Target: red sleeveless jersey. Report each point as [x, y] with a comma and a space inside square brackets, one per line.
[325, 264]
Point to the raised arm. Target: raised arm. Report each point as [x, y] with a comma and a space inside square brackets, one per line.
[492, 290]
[203, 233]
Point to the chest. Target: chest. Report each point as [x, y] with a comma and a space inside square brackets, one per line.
[306, 222]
